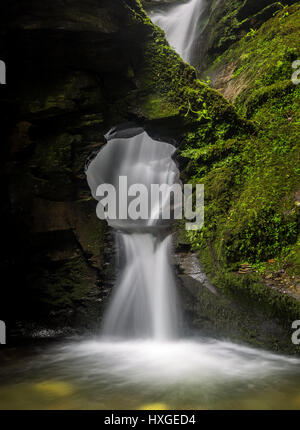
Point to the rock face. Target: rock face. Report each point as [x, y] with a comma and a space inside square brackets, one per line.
[161, 3]
[74, 69]
[69, 68]
[252, 217]
[209, 311]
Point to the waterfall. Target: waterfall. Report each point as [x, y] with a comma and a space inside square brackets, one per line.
[182, 26]
[144, 303]
[141, 361]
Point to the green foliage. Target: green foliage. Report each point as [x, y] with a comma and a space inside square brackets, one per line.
[250, 180]
[251, 33]
[169, 87]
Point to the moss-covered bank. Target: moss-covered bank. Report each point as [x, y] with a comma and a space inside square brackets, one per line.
[252, 182]
[227, 21]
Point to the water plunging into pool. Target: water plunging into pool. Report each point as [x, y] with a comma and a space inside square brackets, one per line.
[144, 303]
[141, 359]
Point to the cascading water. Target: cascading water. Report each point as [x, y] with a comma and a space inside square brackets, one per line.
[181, 25]
[144, 303]
[140, 361]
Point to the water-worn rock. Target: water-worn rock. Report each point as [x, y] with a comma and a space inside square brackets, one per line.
[225, 314]
[75, 69]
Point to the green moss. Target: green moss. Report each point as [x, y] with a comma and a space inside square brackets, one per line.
[249, 169]
[65, 283]
[250, 289]
[156, 107]
[246, 311]
[168, 86]
[250, 179]
[76, 91]
[231, 21]
[266, 57]
[55, 156]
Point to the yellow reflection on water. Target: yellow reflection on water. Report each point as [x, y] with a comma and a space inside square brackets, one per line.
[154, 407]
[55, 388]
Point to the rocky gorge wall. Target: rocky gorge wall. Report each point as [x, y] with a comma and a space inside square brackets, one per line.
[250, 243]
[76, 69]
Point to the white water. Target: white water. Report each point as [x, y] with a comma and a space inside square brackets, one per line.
[141, 358]
[180, 374]
[209, 362]
[140, 361]
[140, 343]
[123, 371]
[181, 25]
[144, 303]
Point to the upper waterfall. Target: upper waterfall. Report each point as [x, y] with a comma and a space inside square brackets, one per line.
[181, 25]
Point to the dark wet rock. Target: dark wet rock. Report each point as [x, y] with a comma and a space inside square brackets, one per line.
[75, 69]
[211, 311]
[161, 3]
[76, 61]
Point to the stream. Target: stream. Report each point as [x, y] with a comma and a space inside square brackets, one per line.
[141, 358]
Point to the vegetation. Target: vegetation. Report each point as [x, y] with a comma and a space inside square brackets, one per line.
[252, 214]
[244, 149]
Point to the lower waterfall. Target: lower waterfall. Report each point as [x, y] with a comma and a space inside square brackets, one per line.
[141, 359]
[144, 303]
